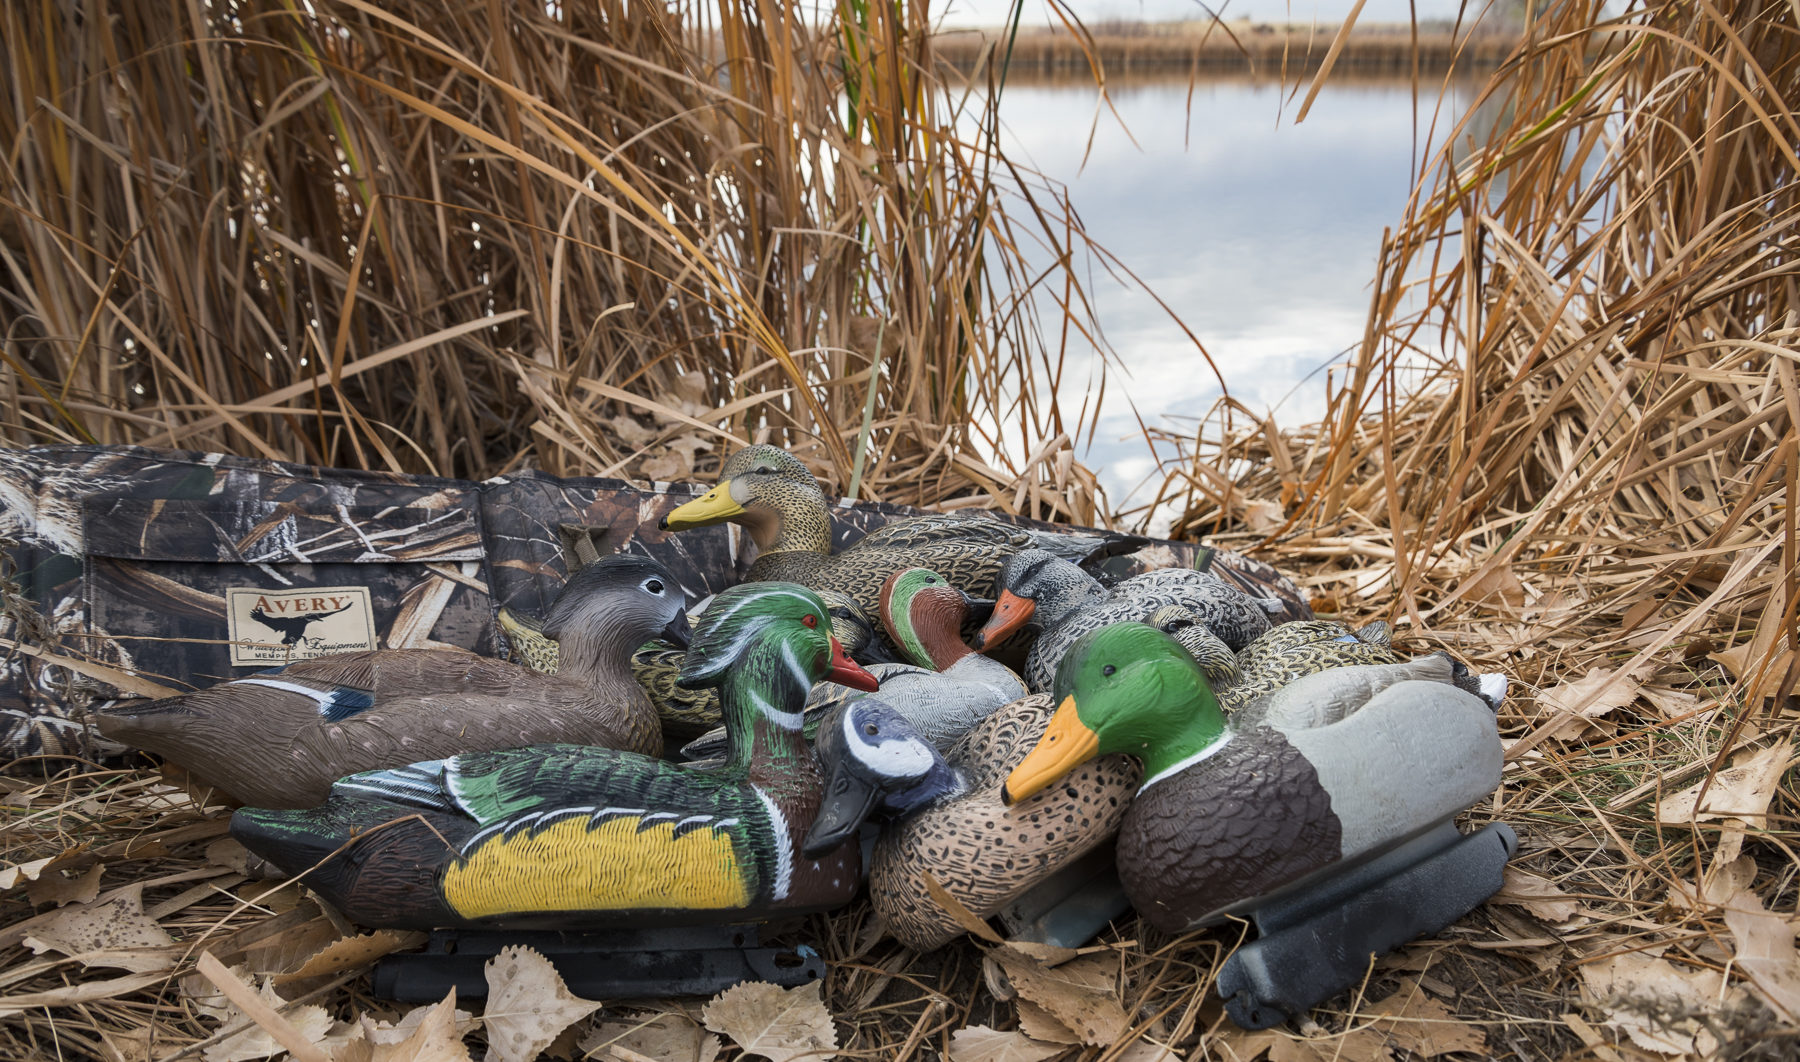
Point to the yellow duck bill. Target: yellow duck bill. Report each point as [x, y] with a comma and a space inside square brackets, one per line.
[1067, 744]
[714, 507]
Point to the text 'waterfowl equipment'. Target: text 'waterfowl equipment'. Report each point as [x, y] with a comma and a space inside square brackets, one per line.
[564, 835]
[281, 737]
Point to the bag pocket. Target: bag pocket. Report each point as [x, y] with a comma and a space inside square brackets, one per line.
[196, 591]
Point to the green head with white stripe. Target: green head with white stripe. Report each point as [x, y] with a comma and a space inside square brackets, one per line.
[1127, 688]
[769, 642]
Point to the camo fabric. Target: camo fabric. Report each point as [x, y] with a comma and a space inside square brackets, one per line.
[134, 572]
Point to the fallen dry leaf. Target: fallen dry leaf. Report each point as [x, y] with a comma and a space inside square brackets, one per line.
[81, 992]
[115, 933]
[1539, 895]
[660, 1037]
[1148, 1050]
[1741, 791]
[381, 1032]
[1419, 1024]
[263, 1028]
[978, 1043]
[432, 1034]
[1233, 1044]
[1040, 1024]
[1765, 952]
[1659, 1005]
[1583, 702]
[24, 873]
[528, 1005]
[774, 1022]
[350, 953]
[53, 886]
[1081, 994]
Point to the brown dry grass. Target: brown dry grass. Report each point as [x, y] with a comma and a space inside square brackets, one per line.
[1570, 450]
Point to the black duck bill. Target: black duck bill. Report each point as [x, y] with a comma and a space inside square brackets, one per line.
[1067, 744]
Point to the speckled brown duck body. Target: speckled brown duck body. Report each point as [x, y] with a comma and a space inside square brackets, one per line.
[776, 498]
[280, 738]
[983, 852]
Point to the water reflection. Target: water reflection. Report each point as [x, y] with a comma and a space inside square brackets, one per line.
[1262, 235]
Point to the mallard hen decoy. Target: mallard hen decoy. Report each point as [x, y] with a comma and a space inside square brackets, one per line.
[687, 714]
[280, 738]
[566, 835]
[1227, 815]
[1066, 602]
[952, 821]
[778, 501]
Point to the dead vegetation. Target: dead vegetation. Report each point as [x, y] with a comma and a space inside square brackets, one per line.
[1564, 449]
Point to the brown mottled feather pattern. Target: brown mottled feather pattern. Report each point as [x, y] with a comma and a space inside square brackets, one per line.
[1251, 817]
[983, 852]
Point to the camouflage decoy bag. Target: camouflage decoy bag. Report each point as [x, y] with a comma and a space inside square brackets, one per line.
[134, 572]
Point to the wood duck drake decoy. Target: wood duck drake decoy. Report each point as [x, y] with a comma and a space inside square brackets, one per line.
[280, 738]
[778, 501]
[1234, 818]
[1064, 602]
[567, 835]
[952, 821]
[947, 689]
[688, 713]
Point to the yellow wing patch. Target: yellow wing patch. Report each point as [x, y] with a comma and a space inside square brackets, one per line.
[570, 866]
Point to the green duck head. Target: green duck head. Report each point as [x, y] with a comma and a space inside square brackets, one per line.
[1126, 688]
[924, 615]
[779, 633]
[767, 490]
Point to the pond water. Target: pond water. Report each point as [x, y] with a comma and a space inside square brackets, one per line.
[1261, 235]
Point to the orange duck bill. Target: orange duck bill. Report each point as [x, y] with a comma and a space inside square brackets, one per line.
[848, 672]
[1067, 744]
[1010, 613]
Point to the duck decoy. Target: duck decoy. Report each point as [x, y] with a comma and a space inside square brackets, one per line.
[1066, 602]
[778, 501]
[687, 714]
[947, 688]
[566, 835]
[1338, 839]
[952, 822]
[280, 738]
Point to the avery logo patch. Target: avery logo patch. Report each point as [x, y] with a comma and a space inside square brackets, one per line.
[278, 626]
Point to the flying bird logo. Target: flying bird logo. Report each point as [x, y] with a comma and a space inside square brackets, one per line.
[292, 628]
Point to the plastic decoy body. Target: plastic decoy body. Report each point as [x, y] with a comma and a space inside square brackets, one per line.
[1236, 819]
[280, 738]
[778, 501]
[688, 713]
[1065, 602]
[565, 836]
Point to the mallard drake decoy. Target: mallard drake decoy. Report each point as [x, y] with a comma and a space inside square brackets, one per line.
[952, 820]
[1227, 815]
[565, 835]
[687, 714]
[946, 690]
[1066, 602]
[280, 738]
[778, 501]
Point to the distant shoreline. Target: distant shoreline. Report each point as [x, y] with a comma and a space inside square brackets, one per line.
[1241, 47]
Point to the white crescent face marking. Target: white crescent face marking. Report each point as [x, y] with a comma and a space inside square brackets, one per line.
[899, 758]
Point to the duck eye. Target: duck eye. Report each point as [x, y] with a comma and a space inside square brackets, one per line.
[871, 729]
[654, 586]
[810, 620]
[1108, 670]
